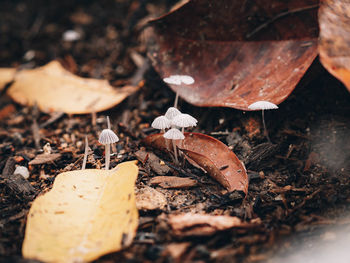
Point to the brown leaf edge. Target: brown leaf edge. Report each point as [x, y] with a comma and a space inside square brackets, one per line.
[210, 154]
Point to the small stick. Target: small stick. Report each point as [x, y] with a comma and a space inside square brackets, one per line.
[85, 153]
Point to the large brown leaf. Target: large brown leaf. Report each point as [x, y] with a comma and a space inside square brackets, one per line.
[334, 47]
[210, 154]
[238, 52]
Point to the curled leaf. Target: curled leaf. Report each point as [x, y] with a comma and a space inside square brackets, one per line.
[88, 213]
[211, 155]
[334, 49]
[53, 88]
[237, 52]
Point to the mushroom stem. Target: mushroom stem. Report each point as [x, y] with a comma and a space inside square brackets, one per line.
[175, 152]
[85, 153]
[108, 123]
[265, 130]
[176, 99]
[107, 155]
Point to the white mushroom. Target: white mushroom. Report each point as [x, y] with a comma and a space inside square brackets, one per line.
[263, 105]
[178, 80]
[107, 137]
[161, 123]
[183, 121]
[172, 112]
[174, 134]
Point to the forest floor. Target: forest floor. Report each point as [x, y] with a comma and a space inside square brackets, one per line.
[299, 188]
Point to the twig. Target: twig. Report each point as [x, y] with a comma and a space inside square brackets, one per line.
[280, 15]
[54, 117]
[85, 153]
[35, 126]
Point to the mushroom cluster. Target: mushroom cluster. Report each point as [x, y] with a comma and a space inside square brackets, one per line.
[172, 120]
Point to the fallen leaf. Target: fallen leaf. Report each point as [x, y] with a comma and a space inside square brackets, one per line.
[148, 198]
[53, 88]
[334, 49]
[6, 76]
[210, 154]
[173, 182]
[45, 158]
[190, 224]
[88, 213]
[237, 52]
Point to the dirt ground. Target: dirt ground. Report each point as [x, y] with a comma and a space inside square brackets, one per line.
[299, 187]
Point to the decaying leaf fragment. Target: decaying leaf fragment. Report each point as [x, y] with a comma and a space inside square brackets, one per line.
[210, 154]
[238, 52]
[334, 48]
[191, 224]
[53, 88]
[6, 76]
[88, 213]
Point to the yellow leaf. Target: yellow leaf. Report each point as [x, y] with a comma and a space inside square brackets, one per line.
[6, 75]
[88, 213]
[53, 88]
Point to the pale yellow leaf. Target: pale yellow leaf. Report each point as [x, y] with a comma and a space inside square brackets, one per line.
[53, 88]
[88, 213]
[6, 75]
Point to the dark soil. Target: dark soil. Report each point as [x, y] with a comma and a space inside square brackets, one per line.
[299, 188]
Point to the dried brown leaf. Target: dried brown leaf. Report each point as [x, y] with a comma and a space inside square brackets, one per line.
[210, 154]
[334, 49]
[237, 52]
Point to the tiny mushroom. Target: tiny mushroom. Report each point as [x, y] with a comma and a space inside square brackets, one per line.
[183, 121]
[174, 134]
[107, 137]
[178, 80]
[263, 105]
[172, 112]
[161, 123]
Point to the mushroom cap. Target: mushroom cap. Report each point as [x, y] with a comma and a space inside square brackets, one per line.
[179, 79]
[172, 112]
[174, 134]
[161, 123]
[108, 136]
[262, 105]
[173, 79]
[184, 120]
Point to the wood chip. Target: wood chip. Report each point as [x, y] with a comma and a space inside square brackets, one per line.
[154, 162]
[148, 198]
[191, 224]
[45, 158]
[173, 182]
